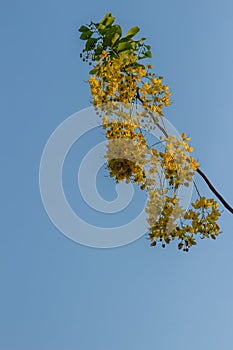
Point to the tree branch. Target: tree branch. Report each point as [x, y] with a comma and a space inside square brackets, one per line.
[213, 189]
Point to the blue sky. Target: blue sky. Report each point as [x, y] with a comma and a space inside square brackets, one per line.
[57, 294]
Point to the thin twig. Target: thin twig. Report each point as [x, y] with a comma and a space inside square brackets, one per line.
[196, 189]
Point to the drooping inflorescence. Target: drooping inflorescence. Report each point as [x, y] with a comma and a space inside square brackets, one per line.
[119, 82]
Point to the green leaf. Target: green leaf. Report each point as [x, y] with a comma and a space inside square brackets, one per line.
[108, 19]
[148, 54]
[133, 45]
[123, 46]
[107, 41]
[105, 17]
[93, 71]
[132, 32]
[90, 43]
[101, 26]
[103, 31]
[86, 35]
[115, 29]
[124, 40]
[140, 40]
[110, 36]
[83, 29]
[99, 50]
[115, 38]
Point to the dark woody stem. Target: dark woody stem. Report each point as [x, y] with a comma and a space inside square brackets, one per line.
[213, 189]
[199, 171]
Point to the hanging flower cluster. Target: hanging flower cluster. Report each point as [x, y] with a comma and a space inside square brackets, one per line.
[179, 166]
[126, 151]
[118, 82]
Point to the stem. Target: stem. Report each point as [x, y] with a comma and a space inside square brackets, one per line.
[213, 189]
[196, 189]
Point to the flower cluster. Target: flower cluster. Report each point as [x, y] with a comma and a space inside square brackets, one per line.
[126, 151]
[178, 165]
[118, 82]
[115, 79]
[173, 223]
[121, 79]
[154, 94]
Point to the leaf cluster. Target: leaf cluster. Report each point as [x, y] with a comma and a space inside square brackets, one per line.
[107, 36]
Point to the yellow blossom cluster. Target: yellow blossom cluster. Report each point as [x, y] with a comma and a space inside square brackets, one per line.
[115, 79]
[178, 165]
[154, 94]
[184, 227]
[121, 79]
[126, 151]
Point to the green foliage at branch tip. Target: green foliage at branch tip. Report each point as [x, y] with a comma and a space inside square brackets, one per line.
[107, 36]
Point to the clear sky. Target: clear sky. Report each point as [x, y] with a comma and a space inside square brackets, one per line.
[56, 294]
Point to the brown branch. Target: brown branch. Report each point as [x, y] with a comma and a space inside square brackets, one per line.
[213, 189]
[199, 171]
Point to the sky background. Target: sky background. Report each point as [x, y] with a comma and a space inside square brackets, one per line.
[56, 294]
